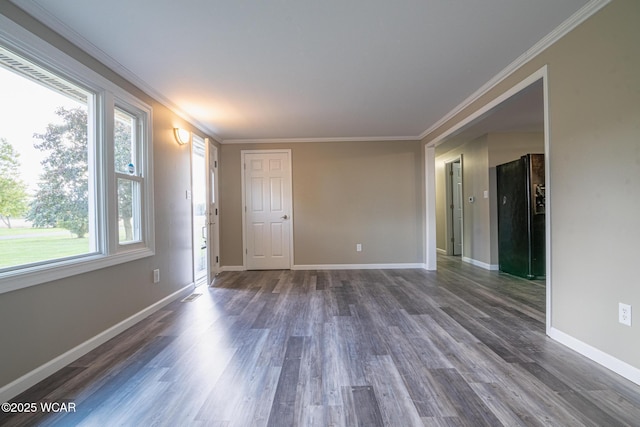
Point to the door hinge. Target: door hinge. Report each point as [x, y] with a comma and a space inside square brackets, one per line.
[215, 163]
[450, 173]
[451, 206]
[217, 259]
[216, 211]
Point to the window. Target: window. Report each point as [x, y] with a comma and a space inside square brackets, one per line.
[75, 168]
[44, 171]
[129, 175]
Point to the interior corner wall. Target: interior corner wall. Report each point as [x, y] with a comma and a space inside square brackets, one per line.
[344, 193]
[45, 321]
[503, 148]
[594, 157]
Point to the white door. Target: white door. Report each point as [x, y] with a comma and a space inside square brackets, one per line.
[457, 204]
[199, 210]
[213, 209]
[267, 209]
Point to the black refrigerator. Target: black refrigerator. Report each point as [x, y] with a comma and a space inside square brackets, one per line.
[521, 216]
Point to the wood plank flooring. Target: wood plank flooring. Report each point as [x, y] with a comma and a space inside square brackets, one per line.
[458, 347]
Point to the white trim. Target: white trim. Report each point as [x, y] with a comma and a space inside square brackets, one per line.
[448, 219]
[492, 267]
[391, 266]
[41, 14]
[215, 242]
[528, 81]
[616, 365]
[548, 185]
[14, 388]
[58, 26]
[232, 268]
[430, 257]
[569, 24]
[25, 277]
[332, 139]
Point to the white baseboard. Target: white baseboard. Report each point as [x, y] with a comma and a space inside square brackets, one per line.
[232, 268]
[14, 388]
[616, 365]
[358, 266]
[481, 264]
[338, 266]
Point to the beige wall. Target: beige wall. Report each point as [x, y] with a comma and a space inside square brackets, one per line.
[343, 193]
[594, 106]
[42, 322]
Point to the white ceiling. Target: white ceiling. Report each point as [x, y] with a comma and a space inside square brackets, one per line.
[286, 69]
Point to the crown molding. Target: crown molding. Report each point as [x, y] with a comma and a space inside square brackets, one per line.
[572, 22]
[307, 140]
[58, 26]
[46, 18]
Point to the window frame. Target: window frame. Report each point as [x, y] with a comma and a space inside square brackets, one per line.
[139, 177]
[103, 201]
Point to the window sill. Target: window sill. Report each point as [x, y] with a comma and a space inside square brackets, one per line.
[31, 276]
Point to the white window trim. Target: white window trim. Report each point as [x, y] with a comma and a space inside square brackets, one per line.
[108, 95]
[144, 154]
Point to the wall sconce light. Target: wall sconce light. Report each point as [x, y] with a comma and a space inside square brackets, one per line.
[183, 136]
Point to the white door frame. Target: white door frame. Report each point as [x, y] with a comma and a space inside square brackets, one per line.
[449, 226]
[194, 238]
[430, 167]
[213, 231]
[243, 154]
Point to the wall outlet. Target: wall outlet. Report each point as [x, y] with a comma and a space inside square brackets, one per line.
[156, 276]
[358, 247]
[624, 314]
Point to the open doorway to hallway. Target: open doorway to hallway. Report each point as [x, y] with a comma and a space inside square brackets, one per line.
[454, 207]
[513, 126]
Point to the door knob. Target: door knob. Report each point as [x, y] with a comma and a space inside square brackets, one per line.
[284, 217]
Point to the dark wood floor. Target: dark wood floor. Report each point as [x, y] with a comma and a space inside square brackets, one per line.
[457, 347]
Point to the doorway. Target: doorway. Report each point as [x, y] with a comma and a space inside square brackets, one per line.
[267, 212]
[523, 108]
[199, 210]
[455, 206]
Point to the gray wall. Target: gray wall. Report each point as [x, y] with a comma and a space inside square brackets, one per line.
[343, 193]
[594, 106]
[42, 322]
